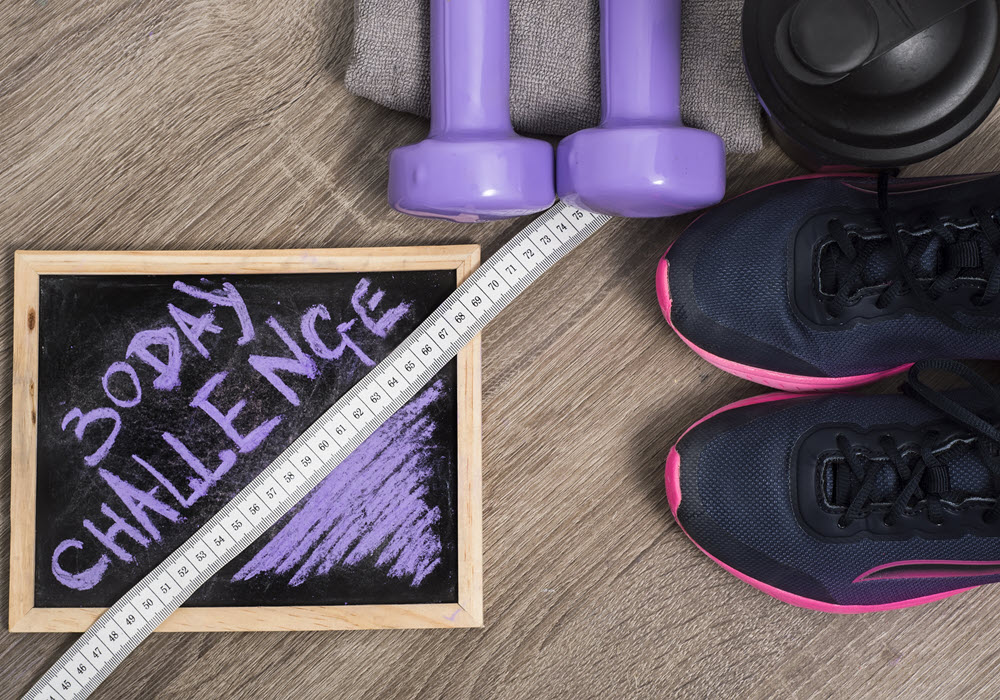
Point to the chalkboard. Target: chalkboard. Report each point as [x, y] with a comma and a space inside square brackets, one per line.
[157, 397]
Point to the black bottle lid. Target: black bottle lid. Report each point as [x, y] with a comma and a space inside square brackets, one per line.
[833, 37]
[873, 83]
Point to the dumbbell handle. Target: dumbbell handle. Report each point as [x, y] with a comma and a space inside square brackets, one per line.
[470, 66]
[640, 61]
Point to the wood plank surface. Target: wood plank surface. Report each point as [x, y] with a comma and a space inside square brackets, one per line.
[222, 124]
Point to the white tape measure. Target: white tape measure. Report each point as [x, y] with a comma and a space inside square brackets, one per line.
[317, 452]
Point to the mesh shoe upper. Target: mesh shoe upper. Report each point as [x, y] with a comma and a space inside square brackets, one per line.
[746, 283]
[753, 497]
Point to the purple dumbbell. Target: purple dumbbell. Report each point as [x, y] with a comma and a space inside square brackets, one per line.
[641, 161]
[472, 166]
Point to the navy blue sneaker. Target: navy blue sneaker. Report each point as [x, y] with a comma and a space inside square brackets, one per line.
[826, 282]
[848, 503]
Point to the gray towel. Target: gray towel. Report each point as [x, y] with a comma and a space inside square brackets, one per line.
[555, 70]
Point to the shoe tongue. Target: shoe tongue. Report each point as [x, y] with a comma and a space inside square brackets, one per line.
[879, 267]
[886, 488]
[969, 474]
[929, 261]
[835, 267]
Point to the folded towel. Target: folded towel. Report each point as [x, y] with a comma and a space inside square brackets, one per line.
[555, 65]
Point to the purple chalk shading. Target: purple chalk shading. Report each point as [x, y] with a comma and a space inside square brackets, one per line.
[373, 503]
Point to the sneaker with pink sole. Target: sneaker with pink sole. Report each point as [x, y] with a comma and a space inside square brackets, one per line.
[827, 282]
[848, 503]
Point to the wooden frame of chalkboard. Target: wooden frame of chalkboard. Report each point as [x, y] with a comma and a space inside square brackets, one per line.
[29, 266]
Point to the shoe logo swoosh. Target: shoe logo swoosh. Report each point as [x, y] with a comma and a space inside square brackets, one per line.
[930, 568]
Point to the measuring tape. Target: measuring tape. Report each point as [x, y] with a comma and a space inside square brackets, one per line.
[317, 452]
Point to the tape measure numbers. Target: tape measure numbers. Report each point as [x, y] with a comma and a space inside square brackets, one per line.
[317, 452]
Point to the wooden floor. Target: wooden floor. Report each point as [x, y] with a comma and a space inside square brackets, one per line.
[137, 124]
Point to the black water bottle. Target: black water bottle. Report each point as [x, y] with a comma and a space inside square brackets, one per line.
[872, 83]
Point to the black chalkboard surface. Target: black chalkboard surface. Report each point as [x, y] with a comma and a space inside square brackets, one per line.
[160, 396]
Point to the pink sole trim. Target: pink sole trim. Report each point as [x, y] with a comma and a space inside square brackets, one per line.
[776, 380]
[672, 478]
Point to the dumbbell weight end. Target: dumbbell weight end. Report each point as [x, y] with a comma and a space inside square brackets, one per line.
[472, 167]
[641, 161]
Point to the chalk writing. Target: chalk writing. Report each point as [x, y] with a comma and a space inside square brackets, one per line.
[84, 419]
[199, 484]
[193, 327]
[228, 297]
[169, 371]
[308, 328]
[108, 537]
[83, 580]
[374, 506]
[269, 366]
[114, 369]
[246, 443]
[389, 318]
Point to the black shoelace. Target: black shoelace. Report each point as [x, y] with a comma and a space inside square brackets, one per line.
[964, 253]
[922, 469]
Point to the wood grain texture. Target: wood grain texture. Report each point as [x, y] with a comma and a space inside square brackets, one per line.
[225, 124]
[30, 265]
[24, 410]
